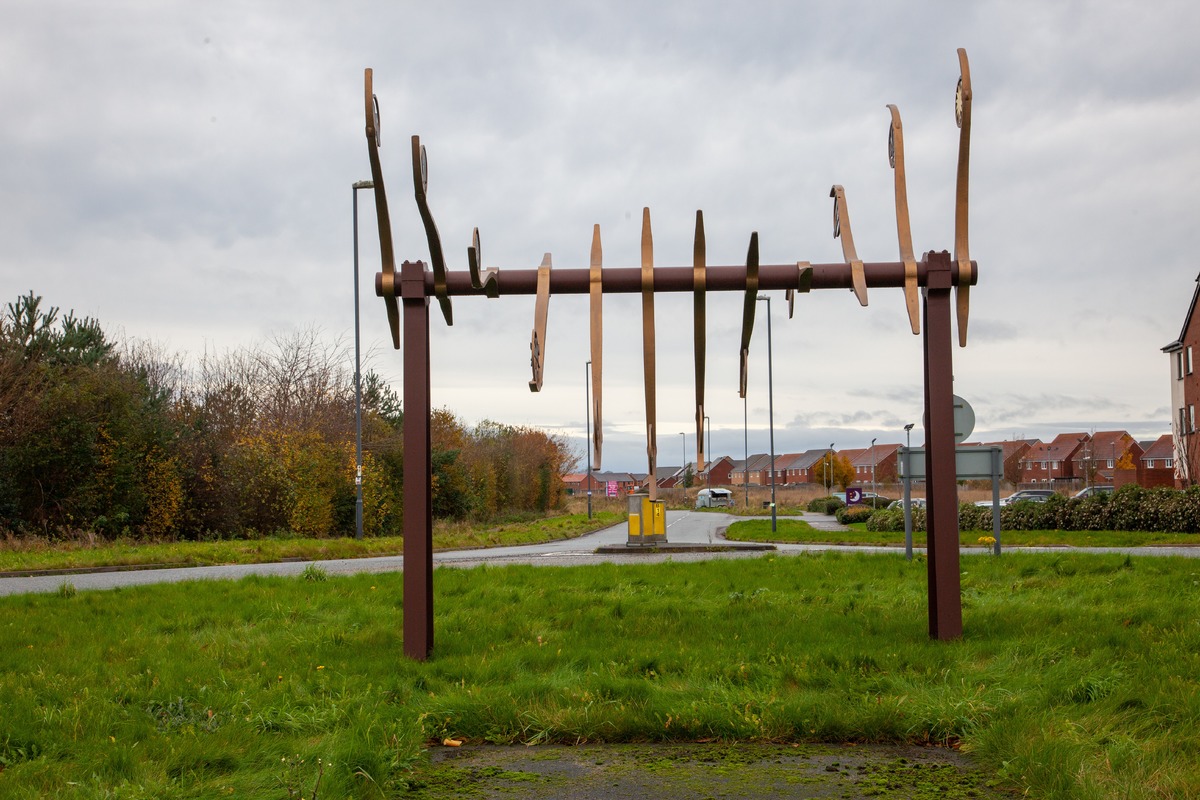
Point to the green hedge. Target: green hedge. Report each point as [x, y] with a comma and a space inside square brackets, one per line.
[1131, 508]
[825, 505]
[855, 514]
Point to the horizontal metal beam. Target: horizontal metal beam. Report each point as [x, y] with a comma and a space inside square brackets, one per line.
[628, 280]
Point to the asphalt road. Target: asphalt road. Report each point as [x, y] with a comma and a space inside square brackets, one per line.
[683, 527]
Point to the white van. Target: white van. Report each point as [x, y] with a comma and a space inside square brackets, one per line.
[714, 498]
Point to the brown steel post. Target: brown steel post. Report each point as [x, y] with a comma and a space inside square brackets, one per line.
[945, 587]
[418, 497]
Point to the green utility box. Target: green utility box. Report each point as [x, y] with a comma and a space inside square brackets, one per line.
[647, 520]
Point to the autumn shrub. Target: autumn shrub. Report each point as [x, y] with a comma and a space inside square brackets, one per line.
[849, 514]
[825, 505]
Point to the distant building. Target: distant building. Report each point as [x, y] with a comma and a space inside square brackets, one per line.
[1045, 463]
[1185, 396]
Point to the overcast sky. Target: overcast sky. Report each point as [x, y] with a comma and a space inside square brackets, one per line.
[182, 172]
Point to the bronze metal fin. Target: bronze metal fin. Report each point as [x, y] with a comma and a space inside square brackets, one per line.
[903, 227]
[841, 230]
[437, 259]
[390, 285]
[537, 344]
[748, 305]
[648, 370]
[966, 273]
[596, 298]
[699, 288]
[803, 285]
[489, 280]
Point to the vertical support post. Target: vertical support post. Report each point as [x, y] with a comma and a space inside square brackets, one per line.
[945, 584]
[418, 483]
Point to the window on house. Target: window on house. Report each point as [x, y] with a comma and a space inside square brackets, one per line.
[1189, 360]
[1181, 428]
[1179, 365]
[1110, 463]
[1167, 462]
[1191, 418]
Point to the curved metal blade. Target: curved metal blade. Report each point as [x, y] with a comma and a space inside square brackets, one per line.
[966, 275]
[699, 289]
[803, 285]
[437, 259]
[383, 221]
[537, 344]
[748, 304]
[841, 230]
[903, 226]
[596, 300]
[648, 366]
[489, 279]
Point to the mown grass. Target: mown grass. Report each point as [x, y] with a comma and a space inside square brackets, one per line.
[1077, 676]
[799, 531]
[40, 554]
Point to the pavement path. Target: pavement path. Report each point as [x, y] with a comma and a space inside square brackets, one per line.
[683, 527]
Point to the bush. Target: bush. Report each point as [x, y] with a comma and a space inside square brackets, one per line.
[849, 514]
[825, 505]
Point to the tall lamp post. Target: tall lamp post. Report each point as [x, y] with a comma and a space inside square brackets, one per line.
[683, 450]
[746, 448]
[358, 459]
[587, 443]
[708, 450]
[770, 405]
[908, 491]
[829, 468]
[874, 490]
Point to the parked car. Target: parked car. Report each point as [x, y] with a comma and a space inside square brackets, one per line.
[714, 498]
[917, 502]
[1023, 495]
[1092, 491]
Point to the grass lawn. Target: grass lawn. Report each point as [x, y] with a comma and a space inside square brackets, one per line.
[792, 530]
[20, 554]
[1077, 676]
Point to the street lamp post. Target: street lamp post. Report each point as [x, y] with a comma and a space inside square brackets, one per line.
[770, 405]
[874, 489]
[587, 443]
[708, 450]
[908, 491]
[746, 448]
[358, 459]
[683, 450]
[829, 465]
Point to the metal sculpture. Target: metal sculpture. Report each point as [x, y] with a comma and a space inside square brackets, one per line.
[937, 273]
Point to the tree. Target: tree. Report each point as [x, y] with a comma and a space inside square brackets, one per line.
[832, 470]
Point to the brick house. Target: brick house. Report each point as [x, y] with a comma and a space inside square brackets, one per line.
[577, 483]
[1012, 451]
[800, 469]
[1185, 395]
[718, 472]
[883, 457]
[1094, 462]
[783, 463]
[757, 466]
[1045, 463]
[1157, 464]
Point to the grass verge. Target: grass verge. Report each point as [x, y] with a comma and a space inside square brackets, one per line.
[1076, 677]
[799, 531]
[26, 554]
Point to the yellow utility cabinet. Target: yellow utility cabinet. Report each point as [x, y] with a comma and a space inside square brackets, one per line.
[647, 520]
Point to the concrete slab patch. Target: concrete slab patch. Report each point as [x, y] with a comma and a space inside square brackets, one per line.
[679, 771]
